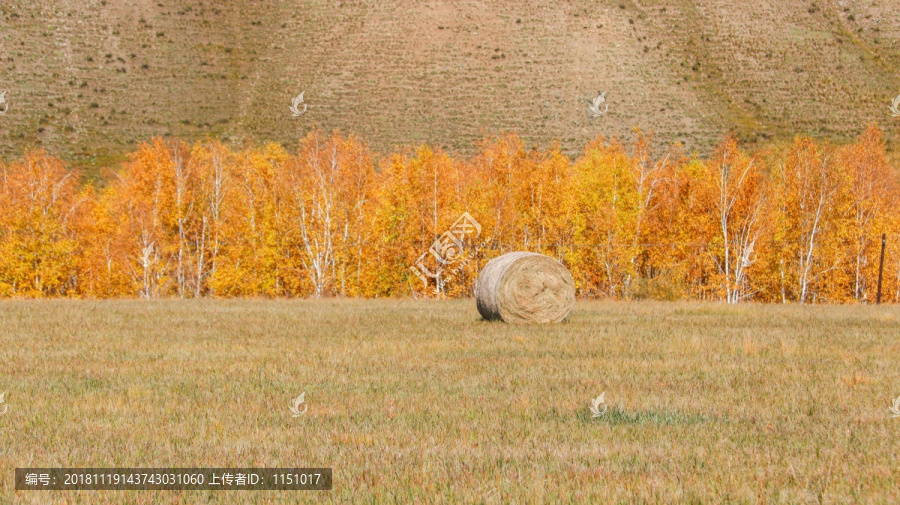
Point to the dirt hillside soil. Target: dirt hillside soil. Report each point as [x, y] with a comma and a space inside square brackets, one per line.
[89, 79]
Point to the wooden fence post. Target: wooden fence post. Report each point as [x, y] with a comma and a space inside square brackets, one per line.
[881, 267]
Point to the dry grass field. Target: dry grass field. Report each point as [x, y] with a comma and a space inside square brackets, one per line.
[414, 401]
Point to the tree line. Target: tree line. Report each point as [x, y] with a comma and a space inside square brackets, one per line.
[798, 223]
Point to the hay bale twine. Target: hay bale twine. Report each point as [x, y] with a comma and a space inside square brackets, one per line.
[525, 287]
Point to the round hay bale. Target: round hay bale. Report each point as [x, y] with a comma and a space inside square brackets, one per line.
[525, 287]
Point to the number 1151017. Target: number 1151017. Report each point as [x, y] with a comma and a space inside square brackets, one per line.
[295, 479]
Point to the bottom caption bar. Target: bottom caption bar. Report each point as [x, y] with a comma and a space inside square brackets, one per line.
[173, 479]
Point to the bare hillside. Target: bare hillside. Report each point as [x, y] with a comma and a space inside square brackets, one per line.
[88, 79]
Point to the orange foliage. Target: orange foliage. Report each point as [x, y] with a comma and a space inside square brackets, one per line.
[801, 224]
[40, 215]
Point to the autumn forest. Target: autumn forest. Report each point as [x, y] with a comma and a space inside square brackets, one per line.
[799, 223]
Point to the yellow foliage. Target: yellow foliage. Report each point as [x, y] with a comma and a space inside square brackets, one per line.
[332, 219]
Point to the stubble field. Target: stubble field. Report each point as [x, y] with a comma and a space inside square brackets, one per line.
[420, 401]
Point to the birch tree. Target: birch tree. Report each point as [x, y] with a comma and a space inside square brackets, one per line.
[738, 204]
